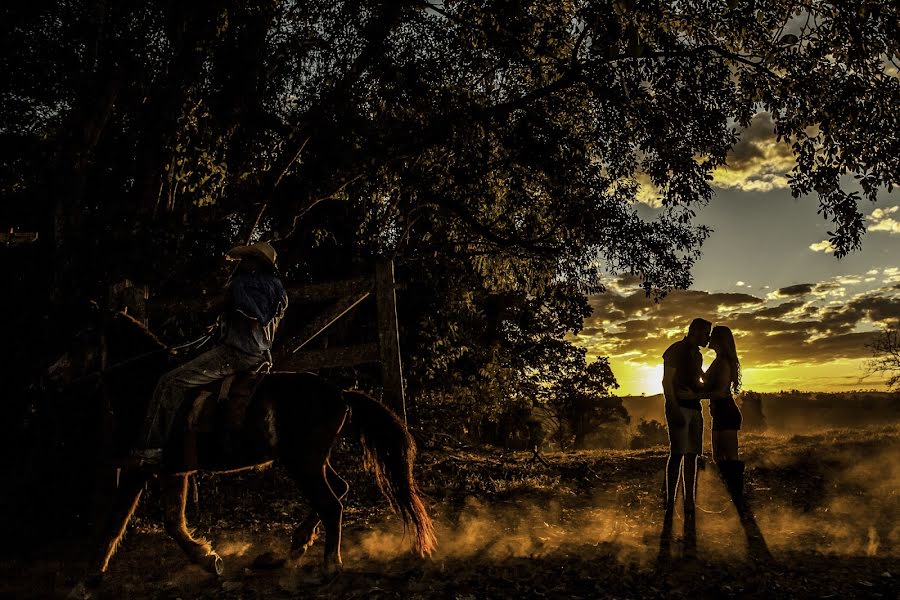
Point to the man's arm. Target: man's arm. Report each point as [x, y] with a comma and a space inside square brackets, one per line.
[673, 411]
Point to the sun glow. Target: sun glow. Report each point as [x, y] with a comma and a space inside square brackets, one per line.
[636, 379]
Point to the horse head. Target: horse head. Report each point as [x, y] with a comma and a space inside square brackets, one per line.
[104, 340]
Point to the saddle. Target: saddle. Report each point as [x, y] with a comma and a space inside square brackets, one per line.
[223, 404]
[214, 428]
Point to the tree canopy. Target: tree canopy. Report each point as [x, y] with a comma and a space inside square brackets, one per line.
[493, 148]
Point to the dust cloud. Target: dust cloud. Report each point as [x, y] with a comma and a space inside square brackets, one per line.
[495, 532]
[811, 493]
[853, 508]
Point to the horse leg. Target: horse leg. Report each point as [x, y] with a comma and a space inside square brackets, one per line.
[305, 534]
[175, 500]
[338, 484]
[124, 505]
[327, 506]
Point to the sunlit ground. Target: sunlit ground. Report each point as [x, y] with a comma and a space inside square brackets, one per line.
[588, 524]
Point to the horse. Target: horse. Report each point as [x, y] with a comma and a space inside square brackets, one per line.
[292, 418]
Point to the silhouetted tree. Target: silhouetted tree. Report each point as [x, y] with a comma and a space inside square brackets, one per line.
[752, 411]
[649, 434]
[886, 356]
[577, 394]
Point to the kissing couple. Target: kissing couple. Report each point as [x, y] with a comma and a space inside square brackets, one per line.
[685, 384]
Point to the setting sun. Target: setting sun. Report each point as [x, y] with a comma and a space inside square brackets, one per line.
[651, 379]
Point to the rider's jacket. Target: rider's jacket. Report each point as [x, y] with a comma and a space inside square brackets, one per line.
[254, 305]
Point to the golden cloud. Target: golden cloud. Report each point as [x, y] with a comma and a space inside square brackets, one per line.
[823, 246]
[758, 162]
[647, 193]
[883, 221]
[799, 324]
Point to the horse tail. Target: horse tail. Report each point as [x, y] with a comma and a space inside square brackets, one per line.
[389, 452]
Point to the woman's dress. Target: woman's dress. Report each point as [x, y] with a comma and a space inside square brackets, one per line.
[725, 413]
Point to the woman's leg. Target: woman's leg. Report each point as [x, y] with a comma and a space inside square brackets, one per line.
[727, 444]
[716, 448]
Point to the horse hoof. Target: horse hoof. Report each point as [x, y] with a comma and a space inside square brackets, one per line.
[214, 564]
[299, 552]
[303, 541]
[331, 571]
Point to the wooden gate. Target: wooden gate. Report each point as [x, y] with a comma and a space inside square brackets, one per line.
[345, 296]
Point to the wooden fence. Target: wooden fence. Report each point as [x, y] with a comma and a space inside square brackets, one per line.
[345, 296]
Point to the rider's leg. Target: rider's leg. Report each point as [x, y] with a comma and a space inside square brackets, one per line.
[216, 364]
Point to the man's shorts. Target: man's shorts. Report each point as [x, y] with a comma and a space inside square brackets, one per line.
[687, 439]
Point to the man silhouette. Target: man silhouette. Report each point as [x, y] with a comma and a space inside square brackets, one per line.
[682, 369]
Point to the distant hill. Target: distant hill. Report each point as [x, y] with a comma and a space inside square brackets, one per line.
[797, 411]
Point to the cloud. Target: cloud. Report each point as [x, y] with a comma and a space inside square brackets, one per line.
[758, 162]
[647, 193]
[794, 290]
[823, 246]
[804, 323]
[883, 221]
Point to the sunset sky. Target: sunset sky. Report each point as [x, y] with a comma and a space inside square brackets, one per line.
[801, 317]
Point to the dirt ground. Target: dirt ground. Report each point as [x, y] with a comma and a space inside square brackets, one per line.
[585, 525]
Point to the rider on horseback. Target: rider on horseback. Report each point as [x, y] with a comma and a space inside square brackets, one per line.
[254, 303]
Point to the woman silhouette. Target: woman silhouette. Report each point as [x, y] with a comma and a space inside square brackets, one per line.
[721, 380]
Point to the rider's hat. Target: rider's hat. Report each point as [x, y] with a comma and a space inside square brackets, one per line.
[263, 250]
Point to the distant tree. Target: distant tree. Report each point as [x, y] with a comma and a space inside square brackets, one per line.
[579, 395]
[886, 356]
[649, 434]
[752, 411]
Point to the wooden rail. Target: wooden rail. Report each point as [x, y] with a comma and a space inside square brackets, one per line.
[17, 238]
[348, 295]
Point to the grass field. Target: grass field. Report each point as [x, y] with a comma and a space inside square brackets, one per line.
[585, 525]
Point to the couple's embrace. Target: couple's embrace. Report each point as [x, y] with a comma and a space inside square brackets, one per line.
[685, 384]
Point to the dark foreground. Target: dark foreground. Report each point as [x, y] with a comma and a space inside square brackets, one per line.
[588, 525]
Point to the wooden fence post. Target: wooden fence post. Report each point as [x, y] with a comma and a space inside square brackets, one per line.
[389, 336]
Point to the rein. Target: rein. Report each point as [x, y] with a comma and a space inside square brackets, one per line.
[198, 343]
[99, 373]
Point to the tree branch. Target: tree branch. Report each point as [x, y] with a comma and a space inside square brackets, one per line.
[376, 33]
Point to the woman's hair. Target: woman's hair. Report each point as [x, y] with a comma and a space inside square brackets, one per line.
[725, 339]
